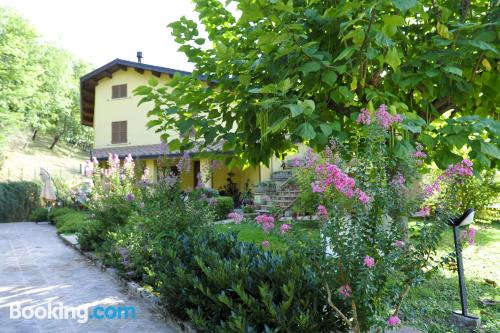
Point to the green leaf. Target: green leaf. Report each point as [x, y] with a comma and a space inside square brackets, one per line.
[174, 145]
[485, 46]
[310, 67]
[306, 131]
[427, 140]
[346, 53]
[484, 161]
[395, 20]
[153, 123]
[153, 82]
[457, 140]
[326, 129]
[143, 90]
[392, 58]
[444, 158]
[295, 109]
[336, 126]
[329, 78]
[199, 41]
[453, 70]
[309, 106]
[405, 4]
[403, 149]
[490, 149]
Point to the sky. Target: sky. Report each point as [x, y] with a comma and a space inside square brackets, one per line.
[99, 31]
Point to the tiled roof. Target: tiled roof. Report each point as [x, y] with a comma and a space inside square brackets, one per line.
[150, 151]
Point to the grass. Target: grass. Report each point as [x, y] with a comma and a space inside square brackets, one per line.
[251, 232]
[23, 158]
[428, 307]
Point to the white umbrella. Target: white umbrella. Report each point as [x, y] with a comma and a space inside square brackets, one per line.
[48, 193]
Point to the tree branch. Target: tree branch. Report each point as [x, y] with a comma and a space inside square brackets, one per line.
[329, 300]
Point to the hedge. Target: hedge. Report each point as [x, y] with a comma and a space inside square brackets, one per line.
[223, 206]
[18, 200]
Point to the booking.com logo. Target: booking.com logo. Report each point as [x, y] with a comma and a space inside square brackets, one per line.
[82, 315]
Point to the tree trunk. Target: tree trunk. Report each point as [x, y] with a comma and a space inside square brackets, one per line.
[35, 132]
[56, 139]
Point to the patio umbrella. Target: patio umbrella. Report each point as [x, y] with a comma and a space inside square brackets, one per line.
[48, 193]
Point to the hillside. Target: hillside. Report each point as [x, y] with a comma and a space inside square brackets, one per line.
[23, 159]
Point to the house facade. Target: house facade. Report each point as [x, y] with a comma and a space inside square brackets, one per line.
[110, 107]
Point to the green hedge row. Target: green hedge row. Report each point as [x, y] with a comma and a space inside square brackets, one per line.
[18, 200]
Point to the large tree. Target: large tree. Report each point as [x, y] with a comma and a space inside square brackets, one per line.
[39, 84]
[281, 72]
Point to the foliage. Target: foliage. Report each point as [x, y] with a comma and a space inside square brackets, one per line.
[114, 195]
[39, 84]
[373, 256]
[18, 200]
[223, 206]
[439, 295]
[227, 286]
[70, 221]
[58, 211]
[40, 214]
[167, 212]
[285, 72]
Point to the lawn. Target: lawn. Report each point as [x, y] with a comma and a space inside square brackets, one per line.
[428, 307]
[251, 232]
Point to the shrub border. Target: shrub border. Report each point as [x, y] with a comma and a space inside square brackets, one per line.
[133, 289]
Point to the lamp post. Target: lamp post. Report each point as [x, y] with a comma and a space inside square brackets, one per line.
[463, 319]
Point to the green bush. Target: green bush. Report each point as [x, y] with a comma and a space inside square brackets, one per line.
[18, 200]
[91, 234]
[56, 212]
[223, 206]
[71, 222]
[39, 215]
[224, 285]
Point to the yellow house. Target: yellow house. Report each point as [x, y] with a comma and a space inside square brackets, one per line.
[109, 106]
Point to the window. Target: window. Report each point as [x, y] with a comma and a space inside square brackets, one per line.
[119, 91]
[119, 132]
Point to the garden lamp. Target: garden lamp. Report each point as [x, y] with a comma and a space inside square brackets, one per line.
[462, 319]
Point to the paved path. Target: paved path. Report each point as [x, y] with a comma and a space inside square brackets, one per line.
[37, 269]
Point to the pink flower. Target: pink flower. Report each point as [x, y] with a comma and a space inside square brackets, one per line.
[321, 212]
[345, 290]
[265, 244]
[89, 169]
[316, 188]
[472, 235]
[237, 218]
[430, 189]
[284, 228]
[398, 180]
[424, 212]
[393, 321]
[364, 117]
[267, 226]
[141, 205]
[399, 243]
[128, 163]
[362, 196]
[385, 119]
[369, 262]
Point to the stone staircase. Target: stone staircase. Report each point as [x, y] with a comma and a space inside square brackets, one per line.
[283, 196]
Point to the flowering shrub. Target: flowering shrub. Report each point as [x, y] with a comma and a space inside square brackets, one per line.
[364, 198]
[236, 217]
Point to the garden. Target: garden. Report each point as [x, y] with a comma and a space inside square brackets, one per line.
[397, 102]
[375, 253]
